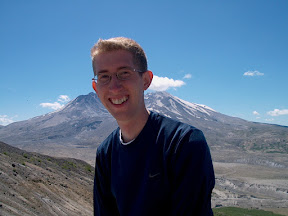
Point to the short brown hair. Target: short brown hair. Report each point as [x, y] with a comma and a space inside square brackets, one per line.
[122, 43]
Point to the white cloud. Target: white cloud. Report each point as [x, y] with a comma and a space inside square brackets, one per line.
[53, 106]
[5, 120]
[187, 76]
[164, 83]
[255, 113]
[253, 73]
[62, 99]
[277, 112]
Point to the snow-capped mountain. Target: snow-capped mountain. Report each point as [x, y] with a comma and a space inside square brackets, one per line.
[78, 128]
[174, 107]
[168, 104]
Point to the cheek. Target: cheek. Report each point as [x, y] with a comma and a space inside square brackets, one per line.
[100, 96]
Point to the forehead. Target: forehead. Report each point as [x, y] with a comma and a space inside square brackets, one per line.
[112, 60]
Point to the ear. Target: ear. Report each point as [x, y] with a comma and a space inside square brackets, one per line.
[147, 77]
[94, 86]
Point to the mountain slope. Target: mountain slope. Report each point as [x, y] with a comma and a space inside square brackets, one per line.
[34, 184]
[74, 131]
[78, 128]
[222, 131]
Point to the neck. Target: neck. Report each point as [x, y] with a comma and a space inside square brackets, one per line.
[131, 128]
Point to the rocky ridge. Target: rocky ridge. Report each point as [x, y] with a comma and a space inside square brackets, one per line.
[35, 184]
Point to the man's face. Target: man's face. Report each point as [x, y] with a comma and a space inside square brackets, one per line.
[124, 99]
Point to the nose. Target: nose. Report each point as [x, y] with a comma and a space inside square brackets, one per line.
[114, 83]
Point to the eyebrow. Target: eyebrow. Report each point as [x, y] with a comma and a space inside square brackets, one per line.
[119, 68]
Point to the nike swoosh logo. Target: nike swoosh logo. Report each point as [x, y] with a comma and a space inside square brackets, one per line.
[153, 175]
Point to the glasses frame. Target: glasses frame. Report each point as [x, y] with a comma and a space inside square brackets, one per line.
[117, 76]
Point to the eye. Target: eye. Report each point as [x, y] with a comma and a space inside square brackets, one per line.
[103, 77]
[124, 74]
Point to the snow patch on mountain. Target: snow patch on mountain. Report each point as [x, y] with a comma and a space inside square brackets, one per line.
[167, 104]
[173, 108]
[197, 107]
[159, 103]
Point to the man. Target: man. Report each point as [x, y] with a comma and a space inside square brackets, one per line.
[151, 164]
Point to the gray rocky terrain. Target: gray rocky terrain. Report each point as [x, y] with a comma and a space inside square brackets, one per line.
[35, 184]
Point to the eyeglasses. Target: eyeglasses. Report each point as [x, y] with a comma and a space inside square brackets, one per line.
[103, 78]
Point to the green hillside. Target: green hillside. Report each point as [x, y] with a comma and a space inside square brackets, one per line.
[233, 211]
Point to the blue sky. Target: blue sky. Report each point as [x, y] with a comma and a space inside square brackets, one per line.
[229, 55]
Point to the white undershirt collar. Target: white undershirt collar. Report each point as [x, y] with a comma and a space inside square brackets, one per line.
[121, 140]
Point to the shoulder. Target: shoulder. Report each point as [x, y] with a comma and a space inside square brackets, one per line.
[175, 136]
[172, 128]
[106, 146]
[181, 143]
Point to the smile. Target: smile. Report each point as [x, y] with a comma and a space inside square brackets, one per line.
[119, 101]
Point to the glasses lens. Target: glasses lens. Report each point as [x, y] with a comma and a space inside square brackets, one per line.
[124, 74]
[103, 78]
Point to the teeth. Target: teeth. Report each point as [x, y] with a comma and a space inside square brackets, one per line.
[119, 101]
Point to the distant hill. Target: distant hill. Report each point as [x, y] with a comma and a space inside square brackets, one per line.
[35, 184]
[233, 211]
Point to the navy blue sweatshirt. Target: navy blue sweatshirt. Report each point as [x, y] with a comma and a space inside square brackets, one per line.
[166, 170]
